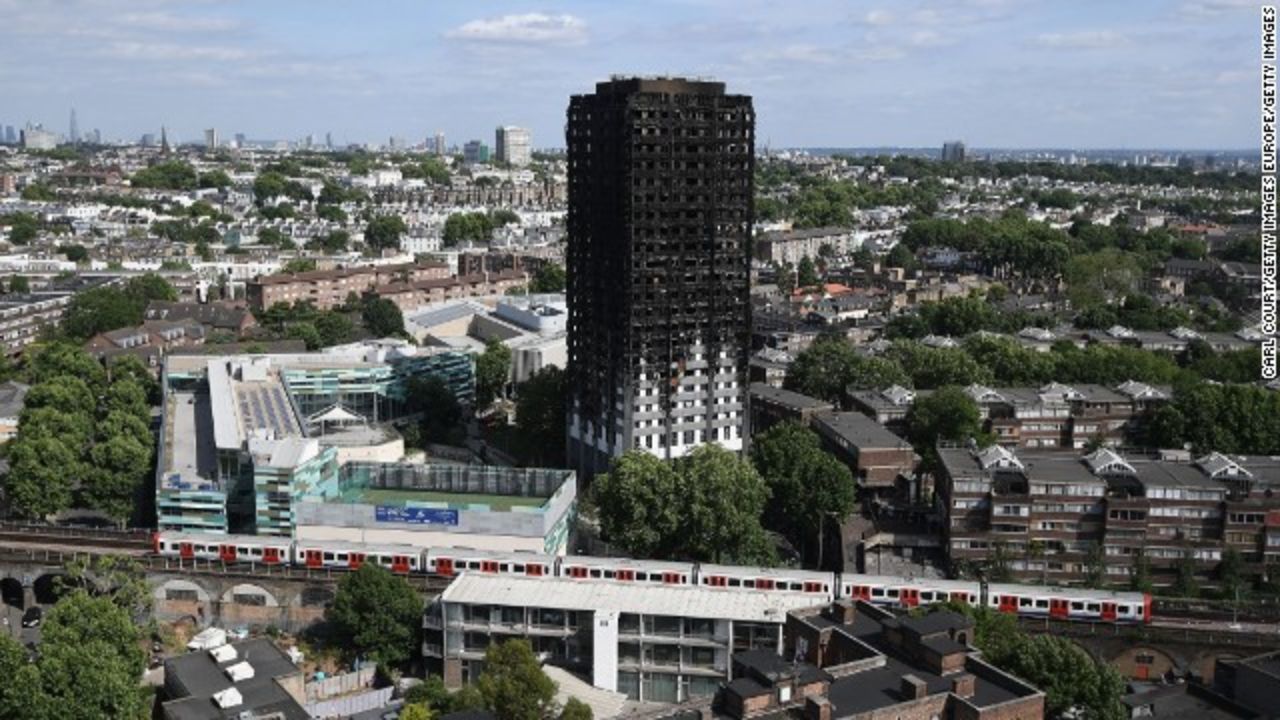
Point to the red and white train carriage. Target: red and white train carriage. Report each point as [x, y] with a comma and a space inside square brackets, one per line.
[263, 549]
[820, 584]
[451, 561]
[399, 559]
[1035, 601]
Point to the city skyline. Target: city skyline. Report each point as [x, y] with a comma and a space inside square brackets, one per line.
[1145, 75]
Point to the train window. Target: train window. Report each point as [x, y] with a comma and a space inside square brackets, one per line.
[1024, 602]
[1077, 606]
[1139, 612]
[735, 582]
[606, 574]
[516, 568]
[877, 592]
[926, 596]
[1093, 607]
[473, 565]
[1042, 603]
[891, 592]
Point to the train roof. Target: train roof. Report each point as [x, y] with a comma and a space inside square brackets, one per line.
[340, 546]
[225, 539]
[466, 552]
[994, 588]
[750, 571]
[592, 561]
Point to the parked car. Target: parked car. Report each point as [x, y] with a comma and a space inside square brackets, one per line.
[32, 617]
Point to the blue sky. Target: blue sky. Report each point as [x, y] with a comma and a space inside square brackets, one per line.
[995, 73]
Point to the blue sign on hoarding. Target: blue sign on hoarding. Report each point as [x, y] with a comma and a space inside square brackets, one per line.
[415, 516]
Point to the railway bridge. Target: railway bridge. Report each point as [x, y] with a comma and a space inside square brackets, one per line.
[1176, 646]
[33, 572]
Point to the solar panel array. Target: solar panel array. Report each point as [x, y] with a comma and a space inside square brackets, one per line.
[266, 407]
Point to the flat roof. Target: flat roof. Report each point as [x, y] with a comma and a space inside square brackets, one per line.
[622, 597]
[199, 675]
[859, 430]
[397, 496]
[787, 397]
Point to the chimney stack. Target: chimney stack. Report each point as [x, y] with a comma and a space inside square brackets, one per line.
[817, 708]
[963, 685]
[913, 688]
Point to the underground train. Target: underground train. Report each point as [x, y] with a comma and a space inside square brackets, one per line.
[899, 592]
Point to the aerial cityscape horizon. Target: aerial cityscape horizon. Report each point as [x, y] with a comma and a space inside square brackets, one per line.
[1140, 75]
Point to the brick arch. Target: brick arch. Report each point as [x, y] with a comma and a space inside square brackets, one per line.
[1203, 664]
[12, 593]
[178, 598]
[48, 588]
[1145, 662]
[249, 589]
[314, 596]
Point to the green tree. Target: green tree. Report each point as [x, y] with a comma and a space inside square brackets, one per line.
[23, 227]
[513, 684]
[1231, 579]
[334, 242]
[384, 232]
[73, 252]
[1095, 567]
[132, 368]
[72, 426]
[91, 660]
[169, 175]
[808, 486]
[127, 396]
[786, 279]
[493, 368]
[466, 227]
[120, 465]
[1140, 579]
[948, 414]
[806, 273]
[1185, 584]
[540, 417]
[575, 709]
[382, 317]
[439, 408]
[549, 278]
[63, 358]
[831, 365]
[334, 328]
[21, 696]
[19, 284]
[43, 472]
[416, 711]
[376, 615]
[704, 506]
[65, 392]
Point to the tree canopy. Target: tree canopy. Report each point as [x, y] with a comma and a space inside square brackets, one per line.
[704, 506]
[540, 417]
[376, 615]
[493, 368]
[513, 684]
[808, 486]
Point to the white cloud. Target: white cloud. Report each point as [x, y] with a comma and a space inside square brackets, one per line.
[927, 38]
[1087, 39]
[175, 23]
[1215, 8]
[526, 28]
[129, 50]
[878, 17]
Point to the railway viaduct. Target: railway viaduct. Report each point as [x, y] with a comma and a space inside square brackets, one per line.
[1151, 651]
[200, 593]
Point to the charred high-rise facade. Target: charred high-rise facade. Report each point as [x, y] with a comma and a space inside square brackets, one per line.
[660, 215]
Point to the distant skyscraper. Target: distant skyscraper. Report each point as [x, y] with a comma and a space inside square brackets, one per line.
[512, 145]
[475, 152]
[211, 139]
[10, 135]
[439, 143]
[953, 151]
[661, 175]
[147, 139]
[96, 136]
[75, 129]
[240, 141]
[35, 137]
[328, 140]
[164, 140]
